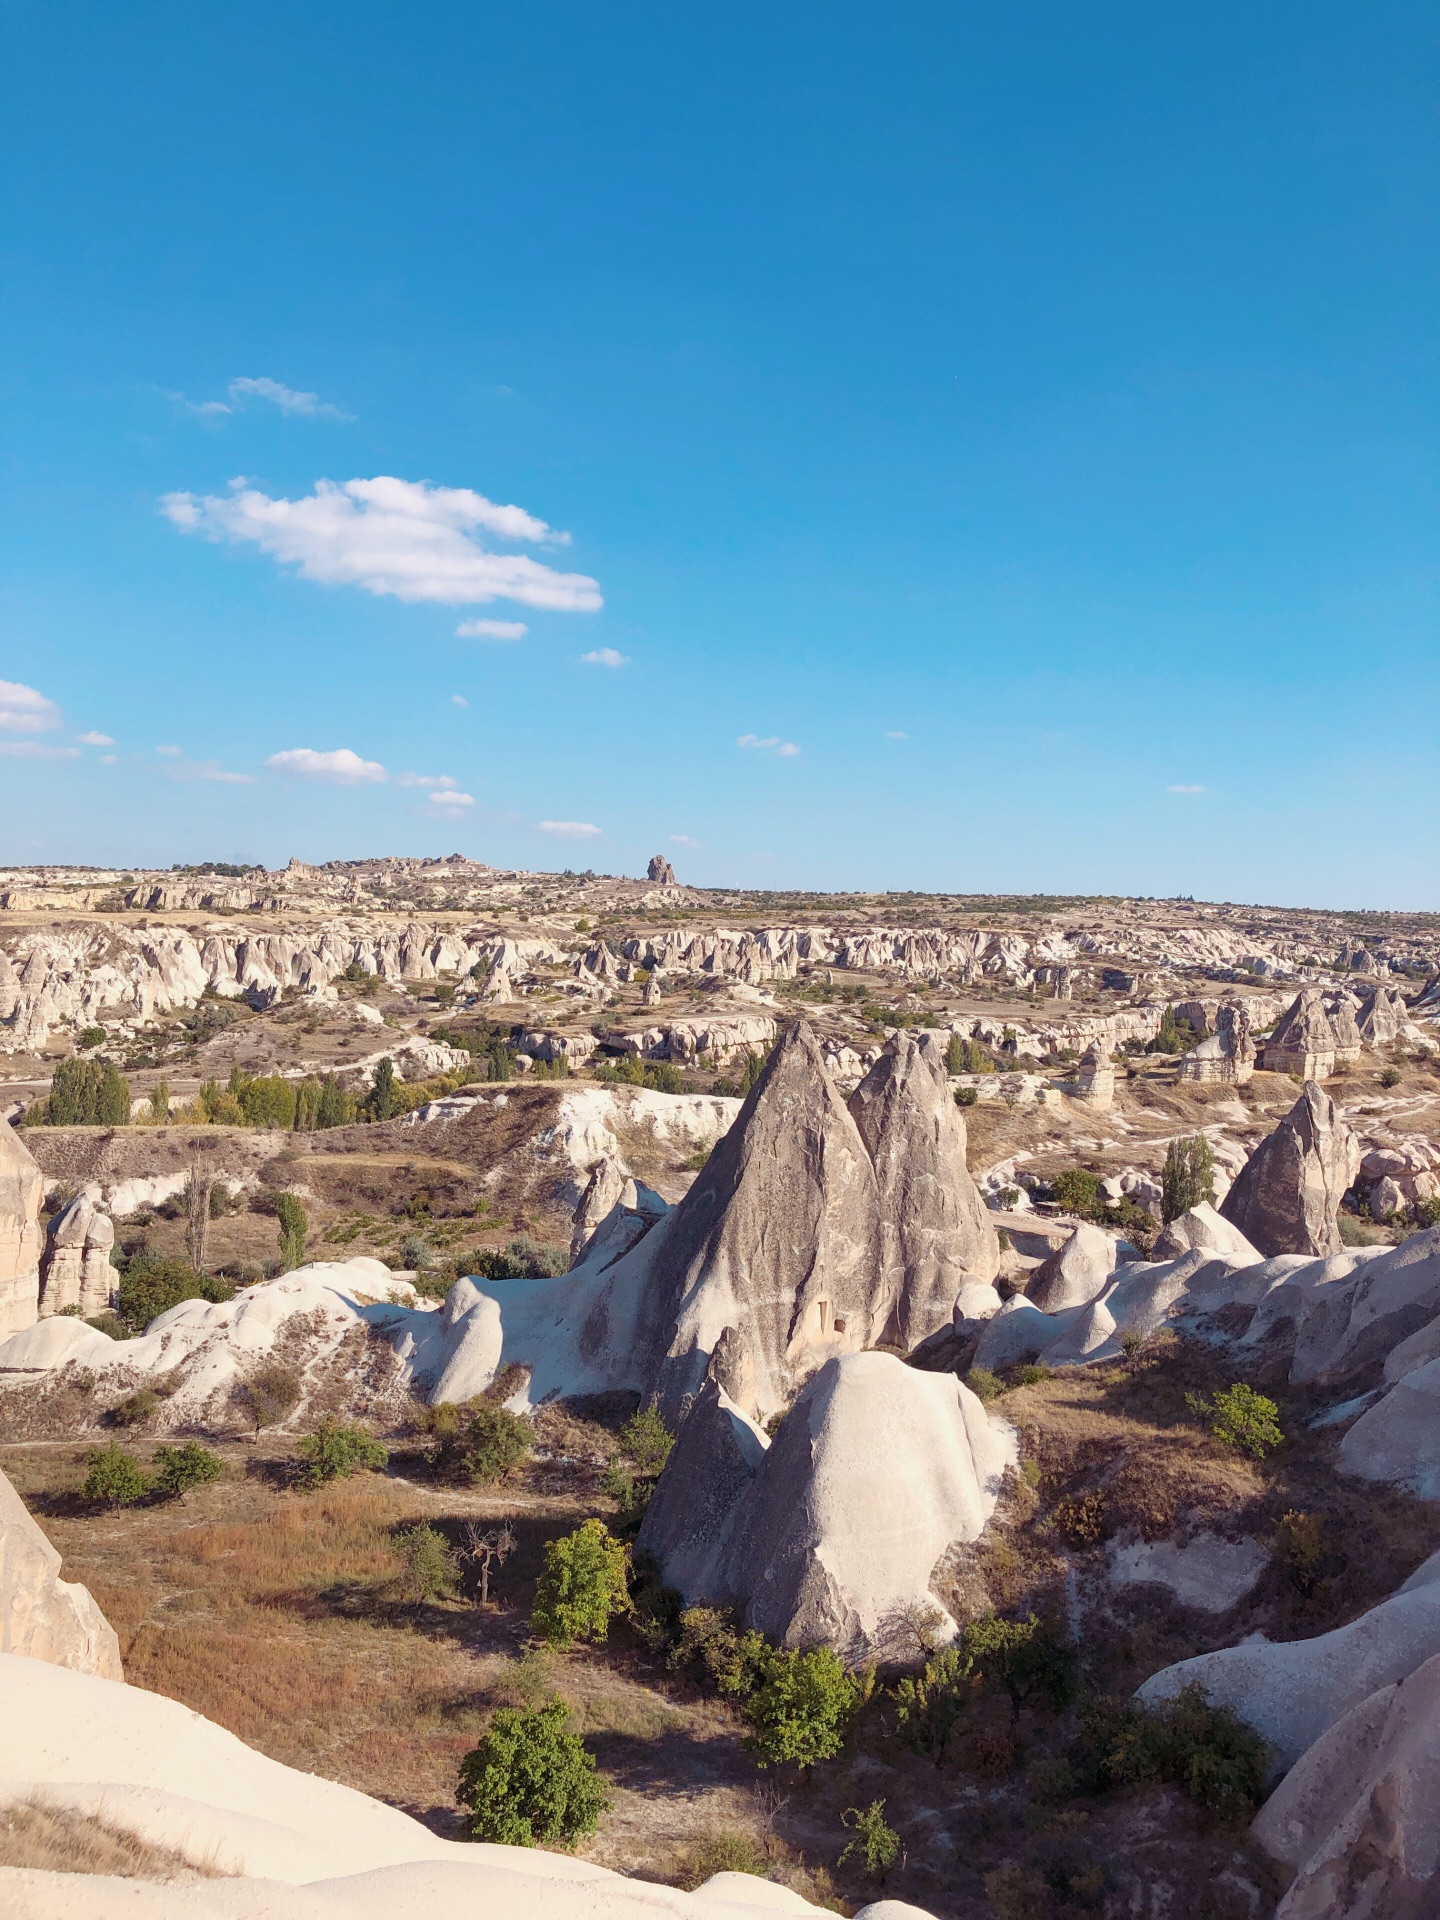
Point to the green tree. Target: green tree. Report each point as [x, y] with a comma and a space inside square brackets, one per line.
[336, 1450]
[160, 1102]
[88, 1093]
[307, 1105]
[531, 1782]
[382, 1089]
[1024, 1657]
[1189, 1177]
[647, 1440]
[583, 1586]
[1242, 1418]
[931, 1705]
[181, 1468]
[267, 1100]
[480, 1442]
[1077, 1191]
[802, 1709]
[151, 1285]
[293, 1229]
[115, 1477]
[428, 1568]
[1208, 1752]
[269, 1394]
[877, 1845]
[333, 1109]
[1170, 1038]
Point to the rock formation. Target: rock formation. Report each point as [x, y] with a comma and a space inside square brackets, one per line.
[1203, 1227]
[1287, 1195]
[935, 1231]
[1397, 1440]
[41, 1615]
[835, 1530]
[1306, 1041]
[1095, 1082]
[660, 871]
[1075, 1273]
[1226, 1056]
[75, 1269]
[22, 1187]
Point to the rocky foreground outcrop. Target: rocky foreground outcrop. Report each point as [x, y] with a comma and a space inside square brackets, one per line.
[22, 1187]
[41, 1615]
[834, 1531]
[1286, 1198]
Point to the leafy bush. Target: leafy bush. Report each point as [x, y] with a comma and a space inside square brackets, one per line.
[530, 1782]
[631, 1071]
[428, 1567]
[647, 1440]
[1391, 1077]
[984, 1384]
[930, 1706]
[88, 1093]
[151, 1285]
[1208, 1752]
[708, 1645]
[1026, 1658]
[1077, 1190]
[90, 1037]
[801, 1709]
[877, 1845]
[336, 1450]
[1242, 1418]
[269, 1394]
[722, 1852]
[583, 1587]
[115, 1477]
[294, 1227]
[479, 1442]
[1189, 1177]
[181, 1468]
[1030, 1375]
[966, 1096]
[137, 1409]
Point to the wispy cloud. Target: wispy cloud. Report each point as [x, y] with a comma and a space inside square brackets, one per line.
[578, 829]
[772, 743]
[450, 802]
[24, 710]
[309, 405]
[683, 840]
[458, 700]
[897, 733]
[212, 410]
[187, 769]
[170, 753]
[403, 538]
[32, 750]
[1185, 789]
[340, 765]
[491, 630]
[606, 657]
[425, 780]
[94, 740]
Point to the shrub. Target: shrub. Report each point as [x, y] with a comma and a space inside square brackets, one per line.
[269, 1394]
[735, 1663]
[115, 1478]
[1427, 1212]
[1027, 1658]
[1302, 1551]
[428, 1567]
[481, 1442]
[802, 1708]
[151, 1285]
[90, 1037]
[647, 1440]
[1077, 1190]
[522, 1260]
[984, 1384]
[110, 1323]
[877, 1845]
[966, 1096]
[1032, 1374]
[721, 1852]
[1391, 1077]
[336, 1450]
[1208, 1752]
[583, 1586]
[137, 1409]
[1242, 1418]
[529, 1781]
[181, 1468]
[294, 1227]
[1189, 1177]
[930, 1706]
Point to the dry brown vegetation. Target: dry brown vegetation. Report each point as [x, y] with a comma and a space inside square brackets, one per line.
[54, 1839]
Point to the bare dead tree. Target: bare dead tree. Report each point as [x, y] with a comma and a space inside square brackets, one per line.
[197, 1218]
[487, 1550]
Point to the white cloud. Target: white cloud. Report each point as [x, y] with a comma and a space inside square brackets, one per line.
[215, 410]
[425, 780]
[605, 657]
[32, 750]
[897, 734]
[491, 630]
[285, 398]
[109, 759]
[579, 829]
[94, 740]
[183, 769]
[458, 700]
[783, 749]
[23, 710]
[683, 840]
[170, 753]
[340, 765]
[450, 802]
[399, 537]
[1184, 789]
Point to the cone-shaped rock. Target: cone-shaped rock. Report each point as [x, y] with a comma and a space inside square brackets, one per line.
[935, 1231]
[1076, 1273]
[1288, 1193]
[779, 1239]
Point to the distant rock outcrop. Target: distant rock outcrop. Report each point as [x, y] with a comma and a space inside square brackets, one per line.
[834, 1531]
[1286, 1198]
[75, 1269]
[1307, 1041]
[41, 1615]
[22, 1187]
[935, 1231]
[1226, 1056]
[660, 871]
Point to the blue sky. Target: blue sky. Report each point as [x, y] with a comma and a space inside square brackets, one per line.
[997, 444]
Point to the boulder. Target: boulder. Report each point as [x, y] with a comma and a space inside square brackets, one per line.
[1358, 1817]
[1292, 1691]
[935, 1231]
[835, 1530]
[602, 1192]
[1019, 1333]
[1203, 1227]
[22, 1187]
[75, 1269]
[1075, 1273]
[41, 1615]
[1397, 1440]
[779, 1238]
[1287, 1195]
[660, 871]
[1391, 1296]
